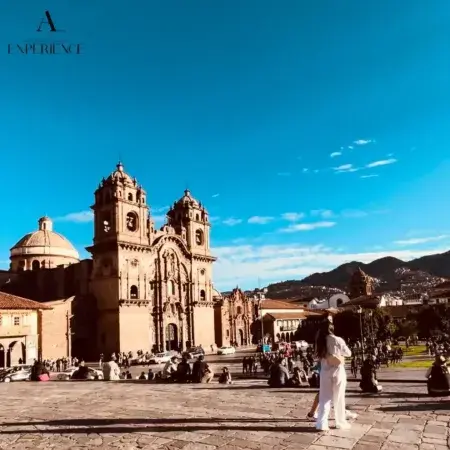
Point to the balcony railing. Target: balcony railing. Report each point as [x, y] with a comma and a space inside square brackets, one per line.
[291, 328]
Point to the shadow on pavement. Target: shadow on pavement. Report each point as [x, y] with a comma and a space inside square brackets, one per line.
[107, 426]
[435, 406]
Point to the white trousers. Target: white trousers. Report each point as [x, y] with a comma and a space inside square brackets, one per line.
[333, 383]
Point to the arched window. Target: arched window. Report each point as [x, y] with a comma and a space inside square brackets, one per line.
[132, 221]
[36, 265]
[171, 287]
[199, 237]
[43, 264]
[197, 217]
[239, 310]
[133, 291]
[202, 295]
[130, 197]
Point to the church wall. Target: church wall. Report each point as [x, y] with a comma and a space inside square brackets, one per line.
[135, 329]
[108, 332]
[204, 326]
[220, 316]
[54, 328]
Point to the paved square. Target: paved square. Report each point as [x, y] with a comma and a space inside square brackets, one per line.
[247, 415]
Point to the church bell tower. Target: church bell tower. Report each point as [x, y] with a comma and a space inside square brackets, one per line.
[123, 232]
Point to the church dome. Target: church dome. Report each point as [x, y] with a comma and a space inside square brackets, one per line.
[216, 294]
[43, 248]
[120, 176]
[187, 199]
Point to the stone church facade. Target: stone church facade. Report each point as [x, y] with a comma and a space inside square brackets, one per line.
[152, 288]
[234, 315]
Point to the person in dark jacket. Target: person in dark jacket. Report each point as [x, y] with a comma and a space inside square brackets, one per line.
[369, 382]
[438, 377]
[82, 373]
[279, 375]
[184, 371]
[199, 369]
[37, 370]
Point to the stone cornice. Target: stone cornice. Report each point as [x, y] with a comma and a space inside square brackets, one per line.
[204, 258]
[134, 302]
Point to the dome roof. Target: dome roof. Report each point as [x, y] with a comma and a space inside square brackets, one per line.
[216, 294]
[120, 176]
[44, 242]
[187, 199]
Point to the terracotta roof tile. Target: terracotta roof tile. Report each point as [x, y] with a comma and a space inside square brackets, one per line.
[287, 316]
[278, 304]
[9, 301]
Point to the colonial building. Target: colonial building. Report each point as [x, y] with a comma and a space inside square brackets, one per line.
[233, 317]
[19, 329]
[144, 289]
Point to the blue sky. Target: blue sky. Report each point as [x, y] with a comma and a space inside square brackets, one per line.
[314, 132]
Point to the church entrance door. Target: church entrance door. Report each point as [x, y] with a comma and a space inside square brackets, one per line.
[241, 337]
[172, 337]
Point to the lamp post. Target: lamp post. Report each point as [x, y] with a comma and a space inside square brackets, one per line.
[371, 328]
[360, 311]
[259, 297]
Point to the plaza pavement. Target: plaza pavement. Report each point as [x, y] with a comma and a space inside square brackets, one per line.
[246, 415]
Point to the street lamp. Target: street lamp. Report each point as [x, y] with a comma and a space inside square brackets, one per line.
[259, 297]
[360, 311]
[371, 327]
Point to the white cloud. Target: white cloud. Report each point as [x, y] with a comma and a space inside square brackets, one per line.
[350, 147]
[77, 217]
[424, 240]
[231, 222]
[261, 220]
[383, 162]
[244, 264]
[307, 226]
[215, 195]
[324, 213]
[368, 176]
[284, 174]
[160, 209]
[304, 170]
[344, 167]
[334, 154]
[363, 141]
[342, 148]
[214, 218]
[292, 216]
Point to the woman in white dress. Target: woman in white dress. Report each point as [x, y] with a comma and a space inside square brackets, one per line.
[332, 351]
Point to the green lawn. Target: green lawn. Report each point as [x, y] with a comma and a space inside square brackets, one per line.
[414, 350]
[423, 364]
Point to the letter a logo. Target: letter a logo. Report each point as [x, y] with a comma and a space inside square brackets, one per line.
[49, 22]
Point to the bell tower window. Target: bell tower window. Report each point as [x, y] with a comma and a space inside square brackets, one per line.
[202, 295]
[130, 197]
[199, 237]
[35, 265]
[132, 221]
[133, 291]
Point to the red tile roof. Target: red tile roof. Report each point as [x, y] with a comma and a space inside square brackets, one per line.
[9, 301]
[287, 316]
[278, 304]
